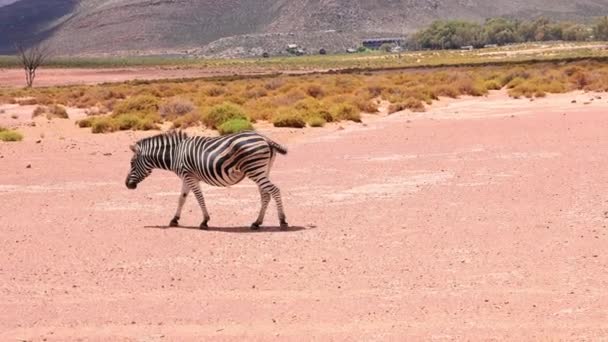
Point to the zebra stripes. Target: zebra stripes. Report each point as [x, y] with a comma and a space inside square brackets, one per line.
[217, 161]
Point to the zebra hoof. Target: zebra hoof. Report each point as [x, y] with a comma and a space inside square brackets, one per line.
[284, 225]
[204, 226]
[255, 226]
[174, 222]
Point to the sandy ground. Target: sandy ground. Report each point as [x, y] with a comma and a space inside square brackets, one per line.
[75, 76]
[483, 219]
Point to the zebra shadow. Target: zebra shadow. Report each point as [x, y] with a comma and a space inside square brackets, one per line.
[239, 229]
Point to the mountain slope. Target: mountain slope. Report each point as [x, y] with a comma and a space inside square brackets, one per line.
[148, 26]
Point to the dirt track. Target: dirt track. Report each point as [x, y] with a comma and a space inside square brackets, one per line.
[482, 219]
[82, 76]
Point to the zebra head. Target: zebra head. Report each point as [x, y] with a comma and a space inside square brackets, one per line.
[140, 168]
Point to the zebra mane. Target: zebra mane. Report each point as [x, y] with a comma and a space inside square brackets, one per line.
[170, 137]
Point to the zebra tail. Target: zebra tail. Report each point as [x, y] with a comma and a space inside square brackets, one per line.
[277, 147]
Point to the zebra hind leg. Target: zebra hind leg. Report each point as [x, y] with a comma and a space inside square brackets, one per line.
[180, 204]
[266, 186]
[196, 189]
[265, 197]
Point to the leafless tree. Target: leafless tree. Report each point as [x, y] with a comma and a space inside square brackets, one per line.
[31, 58]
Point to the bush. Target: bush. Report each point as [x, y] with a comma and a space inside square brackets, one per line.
[103, 125]
[214, 91]
[346, 112]
[219, 114]
[316, 121]
[141, 104]
[84, 123]
[235, 126]
[189, 120]
[315, 90]
[9, 135]
[289, 118]
[40, 110]
[412, 104]
[56, 111]
[175, 108]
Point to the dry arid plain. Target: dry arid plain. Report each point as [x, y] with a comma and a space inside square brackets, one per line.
[481, 219]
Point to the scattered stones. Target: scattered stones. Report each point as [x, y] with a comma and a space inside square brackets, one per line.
[107, 154]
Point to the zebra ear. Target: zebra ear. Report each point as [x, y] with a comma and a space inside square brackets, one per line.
[134, 148]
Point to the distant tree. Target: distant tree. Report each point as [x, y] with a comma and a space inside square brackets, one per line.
[600, 29]
[499, 31]
[31, 59]
[576, 32]
[386, 47]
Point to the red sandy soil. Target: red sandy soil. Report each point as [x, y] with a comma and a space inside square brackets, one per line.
[74, 76]
[483, 219]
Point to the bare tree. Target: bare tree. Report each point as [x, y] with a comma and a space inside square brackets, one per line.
[31, 58]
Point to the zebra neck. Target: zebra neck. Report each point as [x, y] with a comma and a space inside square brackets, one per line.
[163, 156]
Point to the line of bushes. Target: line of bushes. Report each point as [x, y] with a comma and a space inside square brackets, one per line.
[454, 34]
[307, 100]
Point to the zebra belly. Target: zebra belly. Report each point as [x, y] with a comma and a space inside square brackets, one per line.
[227, 178]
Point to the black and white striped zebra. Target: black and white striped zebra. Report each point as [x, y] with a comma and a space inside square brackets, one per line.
[218, 161]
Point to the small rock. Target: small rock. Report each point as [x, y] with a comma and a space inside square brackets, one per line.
[587, 103]
[29, 166]
[573, 101]
[107, 154]
[38, 141]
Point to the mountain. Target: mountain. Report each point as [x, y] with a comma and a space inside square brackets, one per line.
[242, 27]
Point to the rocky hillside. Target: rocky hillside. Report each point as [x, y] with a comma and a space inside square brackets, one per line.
[242, 27]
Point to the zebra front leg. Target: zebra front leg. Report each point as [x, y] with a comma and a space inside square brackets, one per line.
[196, 189]
[180, 204]
[265, 200]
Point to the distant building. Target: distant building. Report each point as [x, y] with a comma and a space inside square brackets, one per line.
[351, 50]
[467, 47]
[376, 43]
[490, 46]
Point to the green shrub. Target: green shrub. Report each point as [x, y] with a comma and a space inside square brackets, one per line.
[141, 104]
[235, 126]
[9, 135]
[219, 114]
[289, 118]
[127, 121]
[346, 112]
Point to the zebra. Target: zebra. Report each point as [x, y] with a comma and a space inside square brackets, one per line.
[218, 161]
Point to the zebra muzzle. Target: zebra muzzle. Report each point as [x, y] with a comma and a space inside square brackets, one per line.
[131, 185]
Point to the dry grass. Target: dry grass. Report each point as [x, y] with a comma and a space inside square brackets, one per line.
[51, 112]
[297, 100]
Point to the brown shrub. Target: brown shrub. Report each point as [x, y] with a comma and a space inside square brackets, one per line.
[175, 108]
